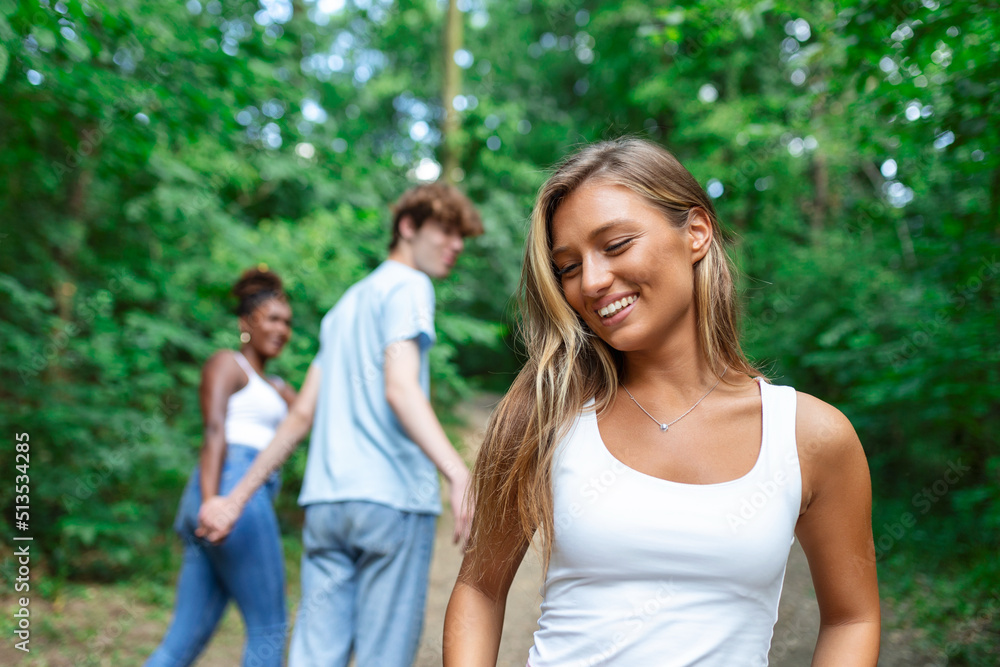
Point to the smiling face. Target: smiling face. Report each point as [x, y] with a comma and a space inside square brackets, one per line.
[624, 268]
[270, 327]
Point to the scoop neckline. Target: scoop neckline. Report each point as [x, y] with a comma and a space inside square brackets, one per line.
[592, 416]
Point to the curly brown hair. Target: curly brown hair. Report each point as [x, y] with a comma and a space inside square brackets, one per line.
[444, 203]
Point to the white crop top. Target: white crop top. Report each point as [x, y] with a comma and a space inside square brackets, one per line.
[254, 412]
[650, 572]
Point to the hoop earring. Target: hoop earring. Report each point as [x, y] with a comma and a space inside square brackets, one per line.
[245, 337]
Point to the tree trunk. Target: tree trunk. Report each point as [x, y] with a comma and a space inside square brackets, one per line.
[995, 201]
[63, 286]
[452, 86]
[821, 191]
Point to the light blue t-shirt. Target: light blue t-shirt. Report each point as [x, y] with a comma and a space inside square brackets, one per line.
[358, 449]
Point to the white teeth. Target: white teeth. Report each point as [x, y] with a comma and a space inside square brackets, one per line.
[613, 308]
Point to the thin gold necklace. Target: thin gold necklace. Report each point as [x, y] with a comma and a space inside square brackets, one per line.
[665, 426]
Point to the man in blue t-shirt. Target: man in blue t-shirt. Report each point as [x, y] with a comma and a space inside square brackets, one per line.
[371, 482]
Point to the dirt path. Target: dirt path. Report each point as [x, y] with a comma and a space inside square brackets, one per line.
[523, 600]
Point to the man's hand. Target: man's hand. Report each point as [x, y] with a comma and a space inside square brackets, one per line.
[462, 509]
[217, 517]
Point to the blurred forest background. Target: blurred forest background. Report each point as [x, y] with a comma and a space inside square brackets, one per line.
[150, 151]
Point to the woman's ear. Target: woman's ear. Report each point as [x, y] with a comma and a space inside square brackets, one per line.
[699, 231]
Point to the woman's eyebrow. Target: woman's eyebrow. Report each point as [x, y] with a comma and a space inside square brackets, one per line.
[597, 232]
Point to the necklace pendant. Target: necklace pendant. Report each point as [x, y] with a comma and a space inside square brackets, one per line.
[664, 427]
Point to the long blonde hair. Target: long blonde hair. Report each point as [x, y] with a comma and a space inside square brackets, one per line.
[567, 364]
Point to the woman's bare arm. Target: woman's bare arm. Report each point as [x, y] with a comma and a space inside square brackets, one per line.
[221, 377]
[474, 619]
[835, 532]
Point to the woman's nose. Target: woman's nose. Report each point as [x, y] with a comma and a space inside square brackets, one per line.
[595, 277]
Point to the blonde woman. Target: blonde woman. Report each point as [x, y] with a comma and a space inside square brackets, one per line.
[665, 477]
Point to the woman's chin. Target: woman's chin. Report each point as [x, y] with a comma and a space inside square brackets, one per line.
[271, 352]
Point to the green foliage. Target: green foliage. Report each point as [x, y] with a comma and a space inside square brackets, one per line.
[151, 151]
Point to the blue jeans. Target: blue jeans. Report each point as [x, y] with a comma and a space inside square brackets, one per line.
[364, 585]
[247, 566]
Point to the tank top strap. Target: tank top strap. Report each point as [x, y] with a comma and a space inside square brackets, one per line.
[245, 365]
[779, 403]
[779, 410]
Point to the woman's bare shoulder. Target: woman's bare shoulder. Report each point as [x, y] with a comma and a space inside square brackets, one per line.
[830, 453]
[222, 367]
[823, 432]
[222, 358]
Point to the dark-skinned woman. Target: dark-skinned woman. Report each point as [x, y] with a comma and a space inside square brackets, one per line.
[241, 407]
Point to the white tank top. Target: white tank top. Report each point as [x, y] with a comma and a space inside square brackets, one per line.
[254, 412]
[649, 572]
